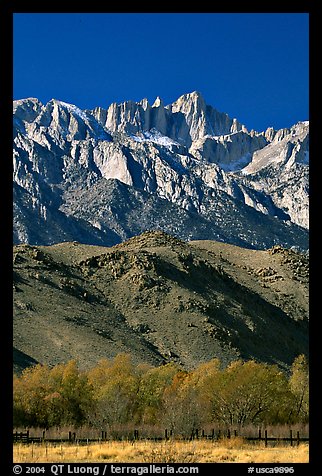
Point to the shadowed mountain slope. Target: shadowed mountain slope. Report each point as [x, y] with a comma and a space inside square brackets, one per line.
[161, 299]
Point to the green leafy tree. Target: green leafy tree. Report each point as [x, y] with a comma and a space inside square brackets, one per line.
[151, 390]
[117, 392]
[299, 385]
[46, 397]
[73, 395]
[188, 400]
[116, 385]
[181, 406]
[30, 407]
[247, 392]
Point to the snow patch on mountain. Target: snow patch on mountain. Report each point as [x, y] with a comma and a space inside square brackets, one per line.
[155, 136]
[73, 109]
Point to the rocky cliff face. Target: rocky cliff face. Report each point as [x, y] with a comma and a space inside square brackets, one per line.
[104, 175]
[281, 170]
[186, 120]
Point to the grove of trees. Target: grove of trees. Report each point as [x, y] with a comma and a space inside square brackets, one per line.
[118, 392]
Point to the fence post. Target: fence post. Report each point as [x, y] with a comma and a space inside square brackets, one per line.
[228, 434]
[235, 433]
[259, 434]
[298, 438]
[197, 436]
[27, 436]
[291, 437]
[212, 433]
[203, 433]
[166, 434]
[265, 437]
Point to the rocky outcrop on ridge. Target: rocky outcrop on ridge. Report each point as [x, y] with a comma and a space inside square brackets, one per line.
[160, 299]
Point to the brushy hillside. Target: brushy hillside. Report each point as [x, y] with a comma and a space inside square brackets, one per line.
[161, 300]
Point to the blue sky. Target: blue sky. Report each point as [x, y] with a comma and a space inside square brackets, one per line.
[253, 66]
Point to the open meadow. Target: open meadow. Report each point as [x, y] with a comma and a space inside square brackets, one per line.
[235, 450]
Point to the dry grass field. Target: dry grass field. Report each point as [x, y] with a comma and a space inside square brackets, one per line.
[235, 450]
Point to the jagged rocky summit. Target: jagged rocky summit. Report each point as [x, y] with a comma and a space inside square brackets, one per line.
[102, 176]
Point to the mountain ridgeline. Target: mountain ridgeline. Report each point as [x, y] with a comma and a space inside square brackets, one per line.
[103, 176]
[161, 300]
[169, 232]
